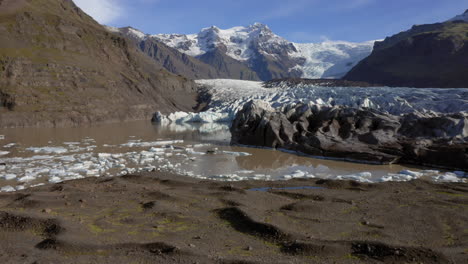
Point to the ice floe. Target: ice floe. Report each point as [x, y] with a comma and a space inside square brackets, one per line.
[75, 160]
[48, 150]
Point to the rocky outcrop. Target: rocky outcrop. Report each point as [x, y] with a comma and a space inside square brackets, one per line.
[353, 134]
[227, 67]
[426, 56]
[60, 67]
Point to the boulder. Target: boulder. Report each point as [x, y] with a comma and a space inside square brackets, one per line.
[355, 134]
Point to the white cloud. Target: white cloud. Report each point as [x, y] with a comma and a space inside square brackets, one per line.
[103, 11]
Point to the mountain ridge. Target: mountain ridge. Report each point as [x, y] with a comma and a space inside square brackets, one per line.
[266, 54]
[425, 56]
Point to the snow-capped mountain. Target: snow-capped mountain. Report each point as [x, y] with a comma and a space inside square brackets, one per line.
[255, 51]
[462, 17]
[331, 59]
[237, 41]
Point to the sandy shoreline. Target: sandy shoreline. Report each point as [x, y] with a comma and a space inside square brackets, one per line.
[165, 218]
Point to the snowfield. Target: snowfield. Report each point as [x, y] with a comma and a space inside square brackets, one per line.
[328, 59]
[229, 97]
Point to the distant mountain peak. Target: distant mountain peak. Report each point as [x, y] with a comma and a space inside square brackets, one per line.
[256, 44]
[258, 25]
[462, 17]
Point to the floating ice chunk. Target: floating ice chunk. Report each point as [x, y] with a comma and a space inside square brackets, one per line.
[2, 137]
[245, 172]
[68, 158]
[236, 153]
[40, 157]
[157, 150]
[448, 177]
[193, 152]
[10, 145]
[27, 178]
[9, 177]
[360, 177]
[298, 174]
[7, 189]
[183, 117]
[104, 155]
[37, 185]
[147, 154]
[3, 153]
[94, 172]
[396, 178]
[413, 174]
[71, 143]
[48, 150]
[55, 179]
[200, 145]
[133, 144]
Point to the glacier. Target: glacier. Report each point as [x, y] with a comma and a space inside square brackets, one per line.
[229, 97]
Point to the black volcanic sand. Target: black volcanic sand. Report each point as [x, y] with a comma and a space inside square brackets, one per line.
[164, 218]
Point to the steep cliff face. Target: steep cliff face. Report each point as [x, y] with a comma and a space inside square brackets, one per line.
[227, 67]
[60, 67]
[433, 55]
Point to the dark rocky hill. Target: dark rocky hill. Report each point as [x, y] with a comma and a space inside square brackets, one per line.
[434, 55]
[60, 67]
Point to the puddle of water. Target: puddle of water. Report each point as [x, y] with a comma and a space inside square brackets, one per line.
[32, 156]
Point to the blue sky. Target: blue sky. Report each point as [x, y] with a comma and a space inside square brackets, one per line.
[296, 20]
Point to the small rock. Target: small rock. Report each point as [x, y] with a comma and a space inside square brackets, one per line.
[249, 248]
[47, 210]
[211, 151]
[191, 245]
[197, 237]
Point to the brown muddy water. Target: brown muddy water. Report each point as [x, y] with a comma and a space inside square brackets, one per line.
[35, 156]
